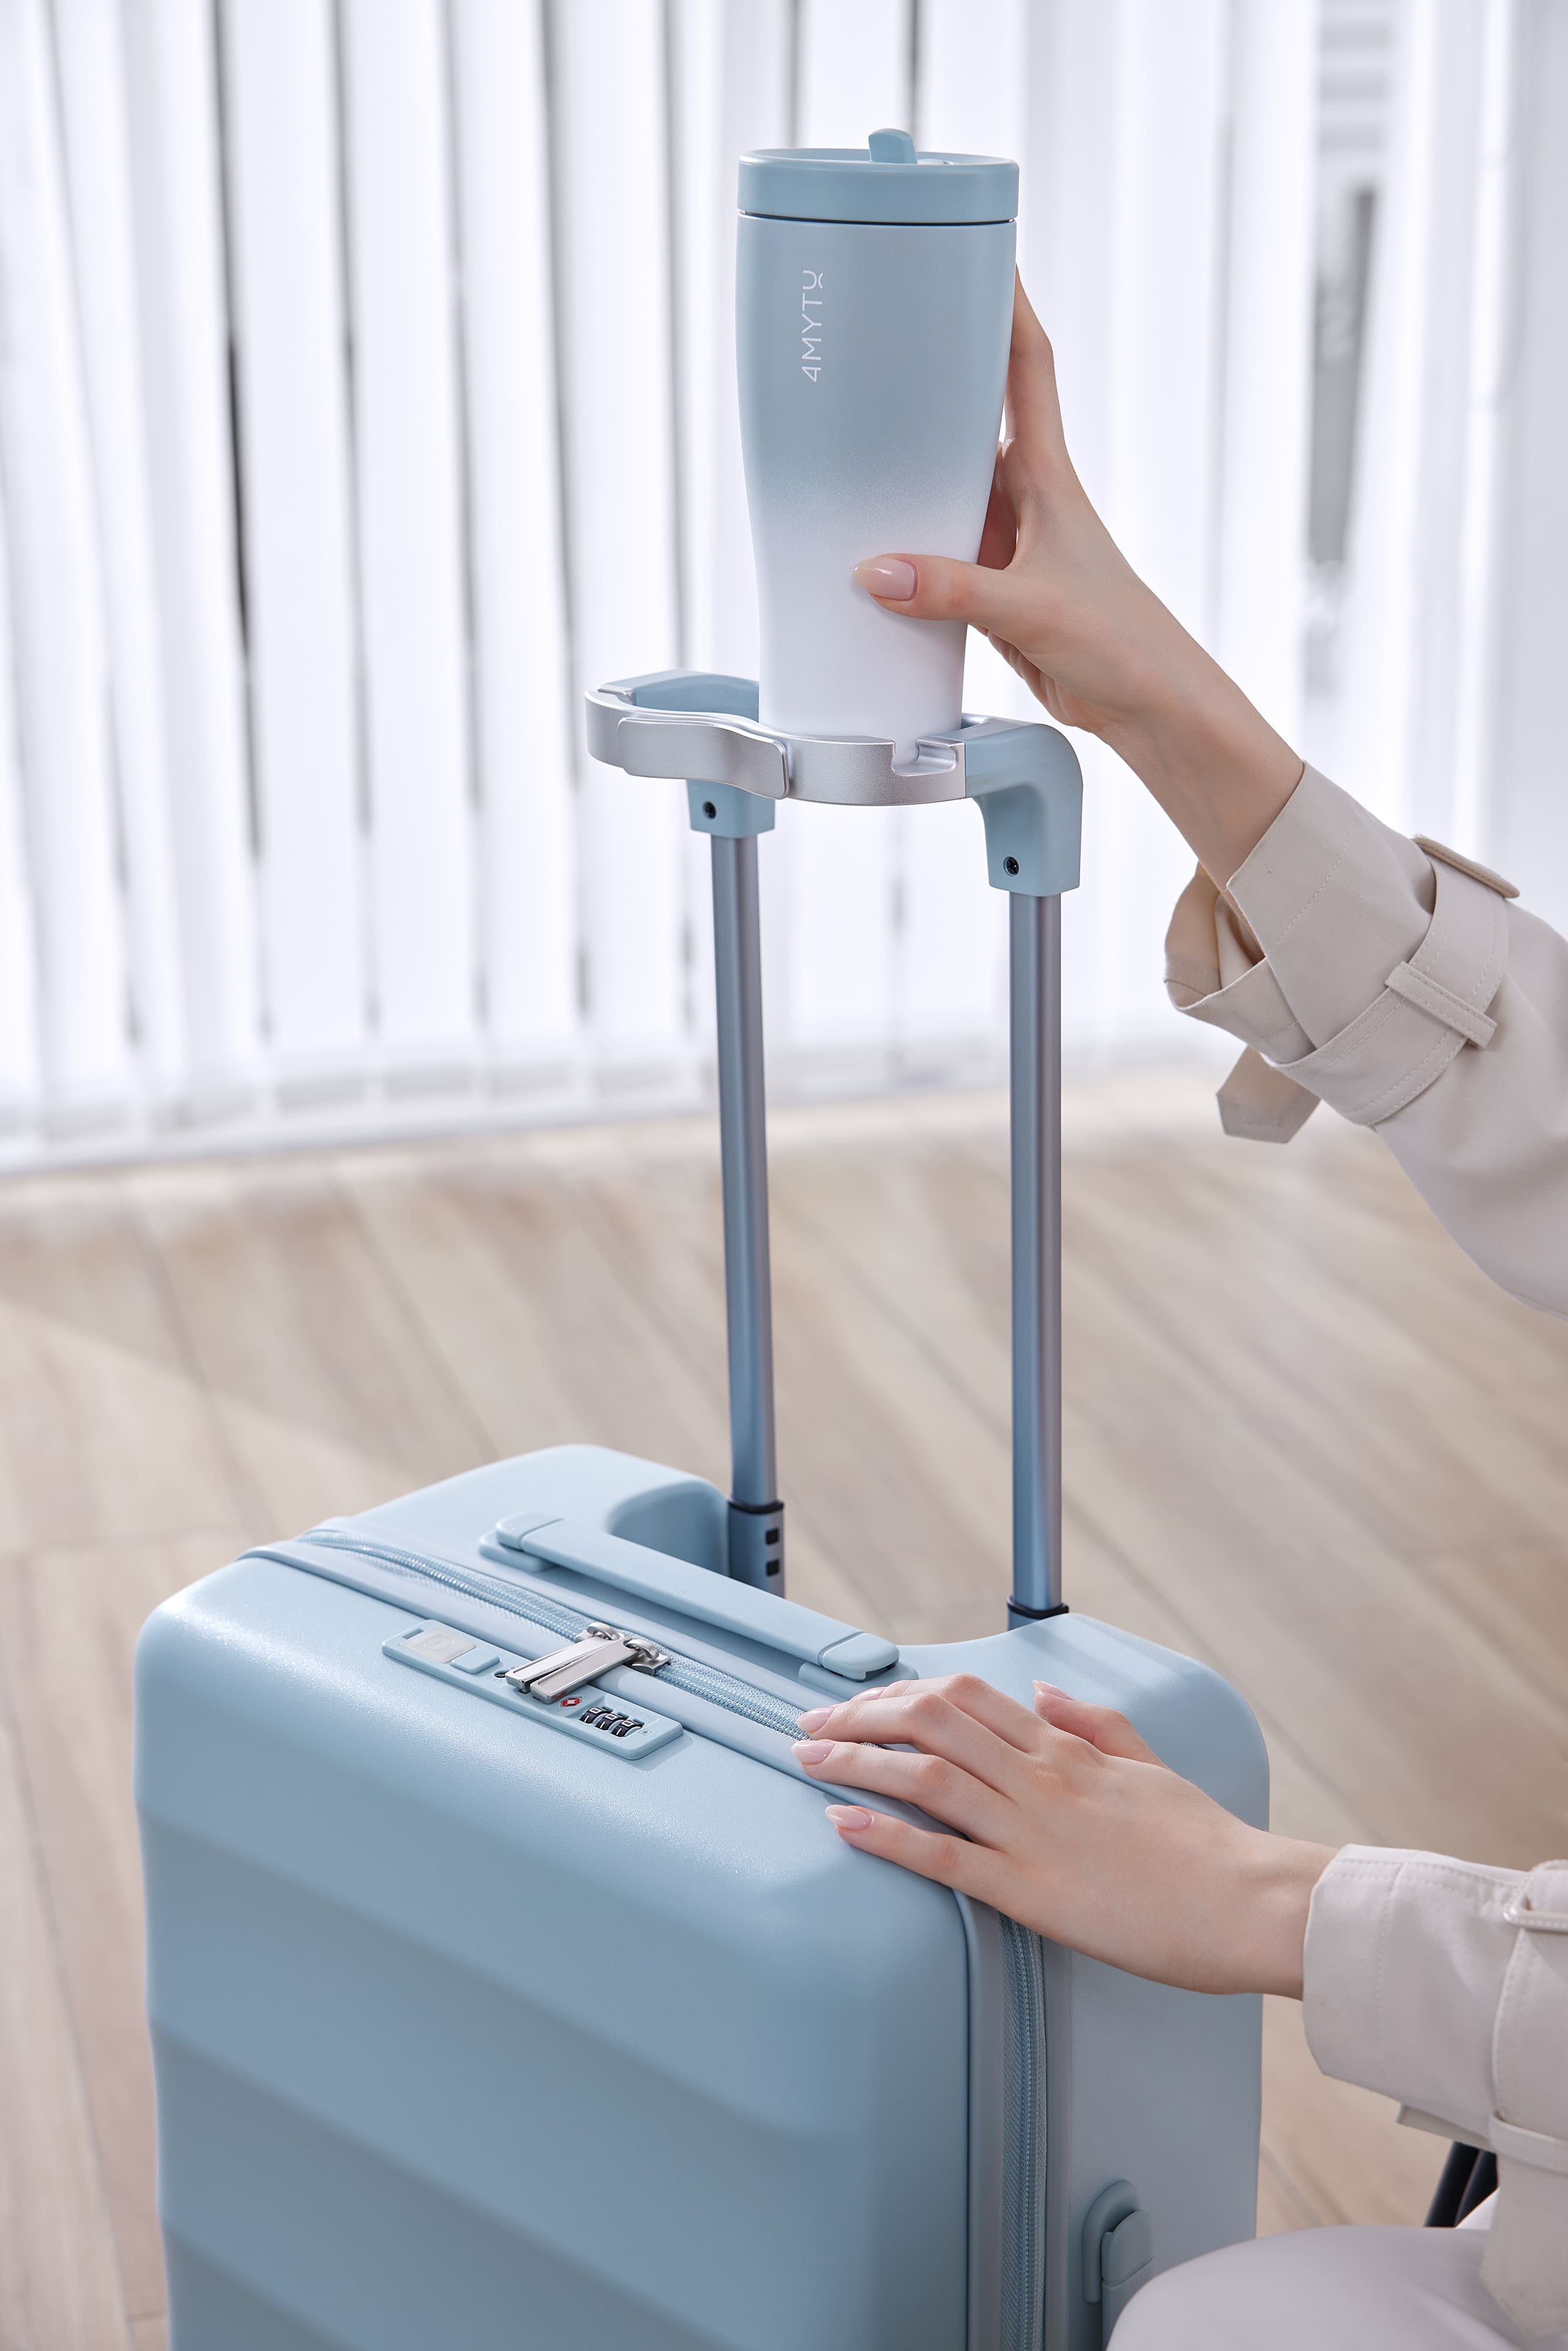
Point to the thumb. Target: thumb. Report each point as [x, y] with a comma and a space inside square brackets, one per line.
[936, 587]
[1098, 1726]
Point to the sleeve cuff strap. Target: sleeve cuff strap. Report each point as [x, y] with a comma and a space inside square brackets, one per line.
[1432, 1006]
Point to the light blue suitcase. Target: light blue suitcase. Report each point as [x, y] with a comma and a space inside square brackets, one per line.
[499, 2008]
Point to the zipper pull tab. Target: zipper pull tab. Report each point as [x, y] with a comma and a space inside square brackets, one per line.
[594, 1652]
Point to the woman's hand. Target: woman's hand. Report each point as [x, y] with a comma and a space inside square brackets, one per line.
[1068, 1822]
[1060, 601]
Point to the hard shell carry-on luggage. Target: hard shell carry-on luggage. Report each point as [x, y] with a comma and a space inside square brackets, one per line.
[506, 1985]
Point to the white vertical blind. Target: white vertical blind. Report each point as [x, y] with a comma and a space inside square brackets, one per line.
[408, 496]
[612, 181]
[58, 651]
[526, 886]
[283, 169]
[176, 220]
[90, 76]
[367, 391]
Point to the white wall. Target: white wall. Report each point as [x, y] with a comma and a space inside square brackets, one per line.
[366, 393]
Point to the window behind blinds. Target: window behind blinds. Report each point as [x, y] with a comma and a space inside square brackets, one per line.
[366, 392]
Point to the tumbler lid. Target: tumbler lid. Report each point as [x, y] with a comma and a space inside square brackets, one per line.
[885, 179]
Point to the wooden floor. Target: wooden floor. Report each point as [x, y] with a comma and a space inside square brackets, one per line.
[1305, 1440]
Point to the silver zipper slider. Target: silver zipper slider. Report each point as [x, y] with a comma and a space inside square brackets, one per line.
[596, 1649]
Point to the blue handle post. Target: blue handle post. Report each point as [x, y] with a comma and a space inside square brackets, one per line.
[1035, 1056]
[734, 818]
[1030, 791]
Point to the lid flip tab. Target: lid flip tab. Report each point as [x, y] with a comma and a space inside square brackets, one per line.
[892, 147]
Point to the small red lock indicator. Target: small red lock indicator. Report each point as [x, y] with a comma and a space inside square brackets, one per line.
[572, 1701]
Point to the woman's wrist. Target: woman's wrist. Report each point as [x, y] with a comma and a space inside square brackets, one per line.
[1273, 1901]
[1136, 678]
[1214, 765]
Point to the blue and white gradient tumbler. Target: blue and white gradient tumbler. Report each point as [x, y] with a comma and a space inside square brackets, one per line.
[873, 312]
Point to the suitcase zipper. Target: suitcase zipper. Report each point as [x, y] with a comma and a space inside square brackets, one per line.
[553, 1615]
[1023, 2028]
[1023, 2139]
[582, 1661]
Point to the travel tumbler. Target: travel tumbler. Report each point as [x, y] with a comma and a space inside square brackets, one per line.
[873, 312]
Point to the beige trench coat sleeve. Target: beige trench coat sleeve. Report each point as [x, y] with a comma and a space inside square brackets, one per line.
[1445, 1985]
[1404, 986]
[1401, 985]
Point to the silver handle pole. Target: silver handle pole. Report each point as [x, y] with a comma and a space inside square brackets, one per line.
[755, 1513]
[1035, 1023]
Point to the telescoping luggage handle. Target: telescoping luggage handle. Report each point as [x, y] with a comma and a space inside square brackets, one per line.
[704, 728]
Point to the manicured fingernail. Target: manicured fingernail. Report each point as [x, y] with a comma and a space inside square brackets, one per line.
[1050, 1690]
[889, 576]
[813, 1751]
[852, 1817]
[814, 1718]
